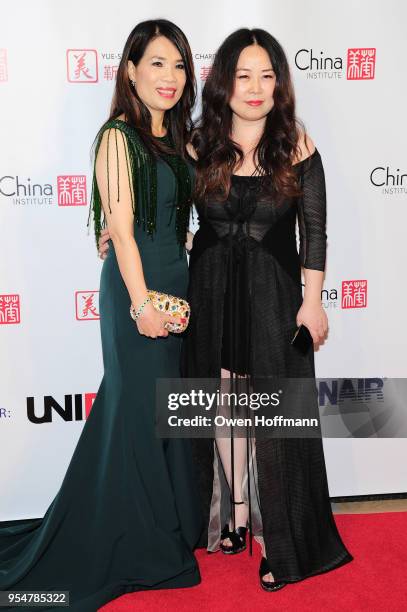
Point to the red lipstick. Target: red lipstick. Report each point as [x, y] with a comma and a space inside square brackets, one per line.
[254, 102]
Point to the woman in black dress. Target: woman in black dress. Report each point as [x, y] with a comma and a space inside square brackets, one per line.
[256, 173]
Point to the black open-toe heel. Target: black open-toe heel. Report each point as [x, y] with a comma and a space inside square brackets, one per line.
[225, 532]
[263, 571]
[237, 537]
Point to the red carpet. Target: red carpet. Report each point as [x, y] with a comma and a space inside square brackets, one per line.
[376, 580]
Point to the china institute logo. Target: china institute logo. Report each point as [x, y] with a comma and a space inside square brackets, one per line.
[389, 179]
[9, 309]
[354, 294]
[82, 66]
[361, 64]
[71, 190]
[87, 305]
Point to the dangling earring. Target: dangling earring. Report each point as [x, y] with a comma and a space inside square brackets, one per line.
[133, 83]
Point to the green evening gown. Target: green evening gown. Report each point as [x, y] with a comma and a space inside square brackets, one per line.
[127, 515]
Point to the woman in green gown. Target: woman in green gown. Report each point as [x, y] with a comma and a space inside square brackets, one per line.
[126, 517]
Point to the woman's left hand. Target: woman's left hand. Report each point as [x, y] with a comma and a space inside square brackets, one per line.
[313, 316]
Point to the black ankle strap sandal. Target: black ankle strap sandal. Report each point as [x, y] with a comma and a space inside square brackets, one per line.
[237, 537]
[264, 569]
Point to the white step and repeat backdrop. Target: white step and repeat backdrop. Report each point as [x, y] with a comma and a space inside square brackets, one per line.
[57, 68]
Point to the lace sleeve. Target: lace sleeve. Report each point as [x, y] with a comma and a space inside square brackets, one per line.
[312, 213]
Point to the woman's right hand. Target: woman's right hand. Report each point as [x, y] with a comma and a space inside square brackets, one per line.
[151, 322]
[189, 241]
[103, 245]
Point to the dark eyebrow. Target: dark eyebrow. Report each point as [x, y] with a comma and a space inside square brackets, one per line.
[249, 70]
[164, 58]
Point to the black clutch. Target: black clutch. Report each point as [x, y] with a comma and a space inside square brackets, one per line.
[302, 339]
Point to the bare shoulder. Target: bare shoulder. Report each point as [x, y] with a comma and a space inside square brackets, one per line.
[191, 150]
[112, 141]
[306, 147]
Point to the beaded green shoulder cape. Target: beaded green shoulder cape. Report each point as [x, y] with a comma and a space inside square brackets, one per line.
[142, 176]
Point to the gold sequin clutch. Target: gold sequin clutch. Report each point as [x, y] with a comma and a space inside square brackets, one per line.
[171, 305]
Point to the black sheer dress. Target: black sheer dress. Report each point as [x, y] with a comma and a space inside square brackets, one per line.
[245, 291]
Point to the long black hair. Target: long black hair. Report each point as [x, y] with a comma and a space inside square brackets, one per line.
[177, 120]
[217, 154]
